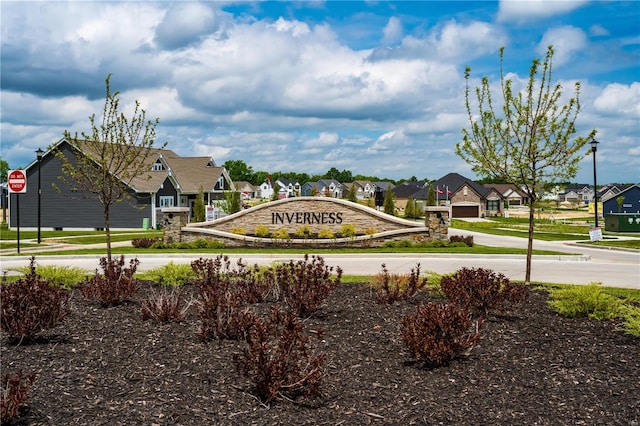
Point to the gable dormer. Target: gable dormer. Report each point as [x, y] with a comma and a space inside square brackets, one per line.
[158, 166]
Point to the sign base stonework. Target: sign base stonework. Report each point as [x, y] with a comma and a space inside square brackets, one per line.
[313, 222]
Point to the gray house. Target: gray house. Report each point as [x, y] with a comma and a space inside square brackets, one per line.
[172, 181]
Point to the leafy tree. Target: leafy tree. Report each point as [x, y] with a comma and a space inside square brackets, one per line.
[116, 153]
[198, 206]
[389, 203]
[239, 170]
[276, 191]
[259, 177]
[409, 209]
[231, 203]
[431, 196]
[352, 196]
[529, 141]
[620, 201]
[4, 170]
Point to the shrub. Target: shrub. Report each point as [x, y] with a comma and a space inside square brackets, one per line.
[305, 285]
[166, 306]
[58, 276]
[482, 291]
[303, 232]
[30, 305]
[144, 242]
[239, 231]
[326, 234]
[221, 309]
[631, 323]
[281, 234]
[585, 301]
[261, 231]
[370, 231]
[437, 333]
[391, 288]
[466, 240]
[348, 231]
[170, 274]
[15, 391]
[115, 285]
[279, 358]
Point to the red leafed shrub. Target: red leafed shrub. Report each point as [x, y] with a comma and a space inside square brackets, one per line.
[166, 306]
[15, 390]
[144, 242]
[482, 291]
[305, 285]
[468, 240]
[115, 285]
[437, 333]
[30, 305]
[221, 305]
[391, 288]
[279, 358]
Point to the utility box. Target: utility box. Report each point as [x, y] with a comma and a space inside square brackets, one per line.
[622, 222]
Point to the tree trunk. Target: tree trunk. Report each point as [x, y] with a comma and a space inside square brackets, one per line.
[527, 276]
[107, 230]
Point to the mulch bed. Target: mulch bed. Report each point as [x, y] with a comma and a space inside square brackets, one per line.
[108, 367]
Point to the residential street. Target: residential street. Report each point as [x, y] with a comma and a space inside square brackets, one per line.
[615, 268]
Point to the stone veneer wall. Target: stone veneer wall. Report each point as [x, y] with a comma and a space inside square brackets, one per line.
[388, 228]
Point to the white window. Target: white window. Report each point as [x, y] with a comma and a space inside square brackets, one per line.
[157, 167]
[166, 201]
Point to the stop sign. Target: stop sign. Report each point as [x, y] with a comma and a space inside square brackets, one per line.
[17, 181]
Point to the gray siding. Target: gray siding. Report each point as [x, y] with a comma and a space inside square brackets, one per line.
[70, 208]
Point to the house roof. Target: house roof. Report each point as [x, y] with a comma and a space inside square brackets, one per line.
[506, 188]
[407, 189]
[455, 181]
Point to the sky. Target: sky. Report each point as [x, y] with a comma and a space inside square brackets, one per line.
[376, 88]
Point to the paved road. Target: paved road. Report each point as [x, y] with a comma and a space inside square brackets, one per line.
[615, 268]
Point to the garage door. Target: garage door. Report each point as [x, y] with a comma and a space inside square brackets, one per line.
[465, 211]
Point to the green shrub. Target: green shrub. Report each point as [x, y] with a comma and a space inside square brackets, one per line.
[326, 234]
[370, 231]
[631, 324]
[261, 231]
[585, 301]
[238, 231]
[348, 231]
[303, 232]
[170, 274]
[281, 234]
[65, 277]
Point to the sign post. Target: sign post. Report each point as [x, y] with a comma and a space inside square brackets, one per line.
[17, 183]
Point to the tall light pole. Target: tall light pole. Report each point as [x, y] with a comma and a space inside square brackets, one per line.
[594, 148]
[39, 153]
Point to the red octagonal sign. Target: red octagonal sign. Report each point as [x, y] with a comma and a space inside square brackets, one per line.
[17, 181]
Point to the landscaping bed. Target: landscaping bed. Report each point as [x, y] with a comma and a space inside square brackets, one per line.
[106, 366]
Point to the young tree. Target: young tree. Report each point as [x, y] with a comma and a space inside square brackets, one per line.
[276, 191]
[199, 207]
[530, 141]
[231, 203]
[352, 196]
[389, 203]
[4, 170]
[409, 209]
[431, 196]
[115, 154]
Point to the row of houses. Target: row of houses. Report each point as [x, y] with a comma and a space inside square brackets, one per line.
[175, 181]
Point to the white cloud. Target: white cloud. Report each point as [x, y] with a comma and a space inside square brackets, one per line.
[531, 10]
[566, 42]
[619, 99]
[392, 31]
[184, 23]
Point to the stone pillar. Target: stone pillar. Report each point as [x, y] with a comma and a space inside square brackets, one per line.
[436, 218]
[173, 218]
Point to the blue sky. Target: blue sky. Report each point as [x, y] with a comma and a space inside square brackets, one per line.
[376, 88]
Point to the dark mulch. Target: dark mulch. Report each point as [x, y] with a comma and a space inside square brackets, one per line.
[108, 367]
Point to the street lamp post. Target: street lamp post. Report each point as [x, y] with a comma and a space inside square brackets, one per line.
[594, 148]
[39, 153]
